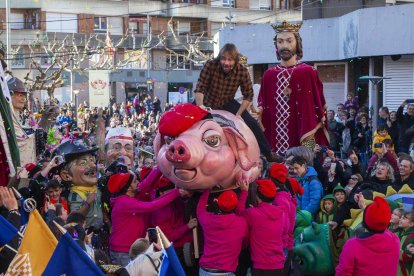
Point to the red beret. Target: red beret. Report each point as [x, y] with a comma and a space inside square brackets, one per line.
[29, 166]
[180, 118]
[145, 171]
[266, 188]
[377, 215]
[296, 187]
[279, 172]
[227, 201]
[119, 182]
[164, 183]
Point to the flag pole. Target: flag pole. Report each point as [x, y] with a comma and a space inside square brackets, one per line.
[11, 248]
[60, 228]
[164, 241]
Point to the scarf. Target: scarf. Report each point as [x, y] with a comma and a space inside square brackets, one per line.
[83, 191]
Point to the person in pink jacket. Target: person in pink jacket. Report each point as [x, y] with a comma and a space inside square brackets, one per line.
[225, 234]
[171, 219]
[130, 215]
[285, 198]
[374, 252]
[266, 231]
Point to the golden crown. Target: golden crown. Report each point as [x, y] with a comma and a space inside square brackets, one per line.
[286, 27]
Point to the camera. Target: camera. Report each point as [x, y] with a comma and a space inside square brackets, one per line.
[378, 145]
[117, 167]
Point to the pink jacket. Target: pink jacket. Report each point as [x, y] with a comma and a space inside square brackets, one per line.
[224, 237]
[374, 255]
[266, 236]
[171, 221]
[284, 200]
[130, 219]
[147, 186]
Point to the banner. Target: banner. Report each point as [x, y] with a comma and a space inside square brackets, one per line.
[99, 88]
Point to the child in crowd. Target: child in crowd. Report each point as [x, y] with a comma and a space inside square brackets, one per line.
[328, 205]
[379, 136]
[52, 195]
[351, 102]
[407, 242]
[225, 233]
[395, 221]
[266, 234]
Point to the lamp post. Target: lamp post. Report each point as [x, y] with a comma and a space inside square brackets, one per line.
[75, 93]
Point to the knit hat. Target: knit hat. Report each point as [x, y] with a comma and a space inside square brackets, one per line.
[227, 201]
[32, 169]
[279, 172]
[145, 171]
[296, 187]
[266, 188]
[120, 182]
[180, 118]
[377, 215]
[164, 184]
[119, 133]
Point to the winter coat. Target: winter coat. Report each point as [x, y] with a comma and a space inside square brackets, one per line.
[266, 235]
[370, 254]
[283, 199]
[224, 237]
[130, 218]
[310, 200]
[405, 122]
[406, 259]
[324, 216]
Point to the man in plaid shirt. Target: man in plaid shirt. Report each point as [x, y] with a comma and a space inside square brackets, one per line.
[217, 85]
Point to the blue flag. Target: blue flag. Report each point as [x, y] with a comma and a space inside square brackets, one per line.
[7, 231]
[170, 265]
[69, 259]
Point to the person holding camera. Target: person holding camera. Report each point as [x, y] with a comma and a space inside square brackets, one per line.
[405, 123]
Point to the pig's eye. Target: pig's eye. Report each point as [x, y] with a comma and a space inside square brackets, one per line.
[212, 141]
[168, 139]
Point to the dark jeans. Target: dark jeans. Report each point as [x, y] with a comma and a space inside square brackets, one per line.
[233, 106]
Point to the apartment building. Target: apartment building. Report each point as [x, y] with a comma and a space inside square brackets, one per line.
[162, 69]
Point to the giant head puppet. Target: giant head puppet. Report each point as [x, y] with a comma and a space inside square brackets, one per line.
[197, 149]
[119, 143]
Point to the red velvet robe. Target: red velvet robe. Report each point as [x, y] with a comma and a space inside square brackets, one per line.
[307, 107]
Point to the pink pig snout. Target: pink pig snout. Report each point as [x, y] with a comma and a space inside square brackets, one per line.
[178, 152]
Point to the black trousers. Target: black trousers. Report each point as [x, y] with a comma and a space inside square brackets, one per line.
[262, 272]
[233, 106]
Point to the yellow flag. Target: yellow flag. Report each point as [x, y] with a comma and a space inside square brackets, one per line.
[37, 247]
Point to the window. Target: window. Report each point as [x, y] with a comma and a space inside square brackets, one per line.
[18, 59]
[184, 28]
[100, 24]
[228, 3]
[61, 22]
[115, 25]
[177, 62]
[264, 4]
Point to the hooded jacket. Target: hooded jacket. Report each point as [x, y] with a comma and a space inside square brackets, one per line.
[266, 235]
[310, 200]
[406, 259]
[224, 237]
[376, 254]
[130, 218]
[323, 215]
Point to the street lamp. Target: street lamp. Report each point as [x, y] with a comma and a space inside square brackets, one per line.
[76, 92]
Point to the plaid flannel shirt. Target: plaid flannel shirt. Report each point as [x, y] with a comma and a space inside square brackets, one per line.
[220, 88]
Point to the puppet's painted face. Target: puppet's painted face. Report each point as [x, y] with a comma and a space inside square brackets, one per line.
[286, 45]
[83, 171]
[119, 147]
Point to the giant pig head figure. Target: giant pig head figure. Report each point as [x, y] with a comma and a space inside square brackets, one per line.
[197, 149]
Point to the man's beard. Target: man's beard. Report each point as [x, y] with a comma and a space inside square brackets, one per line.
[286, 54]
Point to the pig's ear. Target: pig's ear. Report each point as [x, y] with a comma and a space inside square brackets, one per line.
[240, 148]
[158, 143]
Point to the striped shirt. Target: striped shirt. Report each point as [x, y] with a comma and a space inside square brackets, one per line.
[220, 88]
